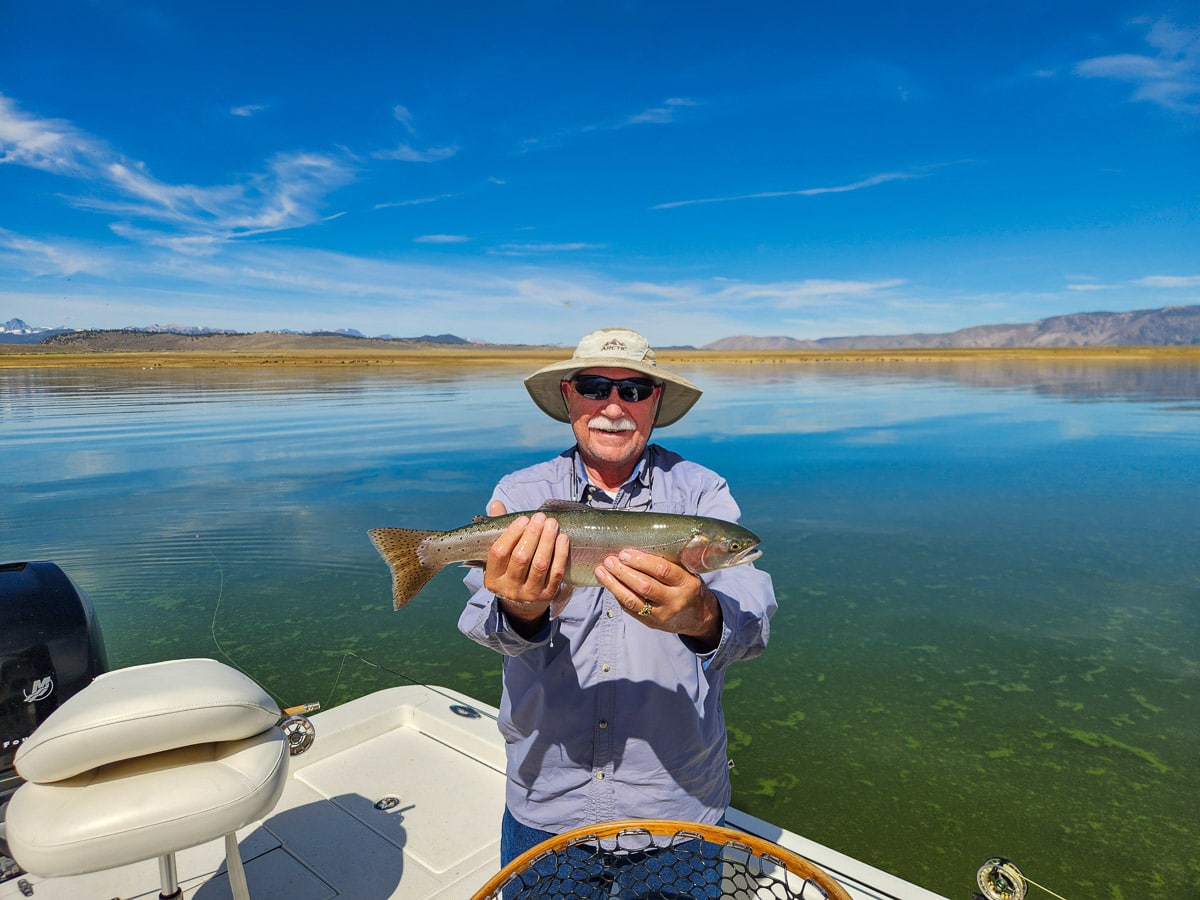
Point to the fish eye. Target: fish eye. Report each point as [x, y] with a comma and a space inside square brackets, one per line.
[735, 545]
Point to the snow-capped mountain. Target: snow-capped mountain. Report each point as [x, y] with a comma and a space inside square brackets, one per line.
[17, 331]
[16, 326]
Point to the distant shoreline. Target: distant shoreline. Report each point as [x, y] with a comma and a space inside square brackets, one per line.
[35, 356]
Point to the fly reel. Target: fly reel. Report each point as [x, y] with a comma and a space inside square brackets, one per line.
[1000, 879]
[298, 730]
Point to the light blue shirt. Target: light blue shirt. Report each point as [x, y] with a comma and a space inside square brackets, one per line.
[603, 717]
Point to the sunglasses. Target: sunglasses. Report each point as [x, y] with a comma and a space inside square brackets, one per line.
[597, 387]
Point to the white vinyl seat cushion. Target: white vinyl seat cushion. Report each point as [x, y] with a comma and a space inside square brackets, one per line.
[143, 762]
[146, 807]
[145, 709]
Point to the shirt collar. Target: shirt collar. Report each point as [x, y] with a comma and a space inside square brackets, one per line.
[641, 479]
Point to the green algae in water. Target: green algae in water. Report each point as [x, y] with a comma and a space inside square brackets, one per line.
[1092, 739]
[1007, 536]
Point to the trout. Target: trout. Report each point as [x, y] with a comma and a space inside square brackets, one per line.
[697, 543]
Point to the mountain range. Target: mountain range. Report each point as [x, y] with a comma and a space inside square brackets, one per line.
[16, 331]
[1167, 326]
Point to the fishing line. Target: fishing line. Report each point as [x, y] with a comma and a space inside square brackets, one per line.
[341, 665]
[390, 671]
[212, 626]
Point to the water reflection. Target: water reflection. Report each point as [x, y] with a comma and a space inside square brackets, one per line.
[1072, 378]
[1069, 379]
[990, 599]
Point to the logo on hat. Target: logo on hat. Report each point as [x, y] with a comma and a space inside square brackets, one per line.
[614, 344]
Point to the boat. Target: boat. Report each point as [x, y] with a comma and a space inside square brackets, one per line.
[396, 794]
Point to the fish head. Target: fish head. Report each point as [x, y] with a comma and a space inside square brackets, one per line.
[719, 546]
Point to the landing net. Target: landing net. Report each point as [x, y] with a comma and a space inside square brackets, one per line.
[660, 860]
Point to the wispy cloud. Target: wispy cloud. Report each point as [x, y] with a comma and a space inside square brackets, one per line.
[801, 192]
[665, 113]
[1169, 281]
[1084, 283]
[416, 201]
[51, 145]
[289, 193]
[37, 257]
[404, 117]
[408, 153]
[247, 111]
[253, 285]
[794, 294]
[527, 249]
[441, 239]
[1169, 76]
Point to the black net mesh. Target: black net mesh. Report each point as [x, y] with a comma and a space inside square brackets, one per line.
[638, 864]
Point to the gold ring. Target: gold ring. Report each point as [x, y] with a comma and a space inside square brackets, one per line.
[647, 609]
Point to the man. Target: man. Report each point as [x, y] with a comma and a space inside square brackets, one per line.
[612, 709]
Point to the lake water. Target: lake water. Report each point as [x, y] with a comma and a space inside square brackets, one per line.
[988, 641]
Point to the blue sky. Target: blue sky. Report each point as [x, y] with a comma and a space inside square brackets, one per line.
[528, 171]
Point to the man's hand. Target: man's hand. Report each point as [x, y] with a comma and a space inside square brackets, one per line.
[525, 568]
[663, 595]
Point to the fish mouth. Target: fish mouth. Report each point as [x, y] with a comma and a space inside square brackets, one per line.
[750, 554]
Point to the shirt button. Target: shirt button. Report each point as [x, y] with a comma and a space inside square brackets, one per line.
[600, 775]
[609, 613]
[605, 667]
[604, 723]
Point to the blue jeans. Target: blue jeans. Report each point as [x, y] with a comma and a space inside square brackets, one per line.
[662, 874]
[517, 837]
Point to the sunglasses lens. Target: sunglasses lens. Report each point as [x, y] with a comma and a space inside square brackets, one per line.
[634, 391]
[592, 388]
[597, 387]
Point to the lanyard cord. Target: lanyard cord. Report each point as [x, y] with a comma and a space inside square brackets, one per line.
[584, 491]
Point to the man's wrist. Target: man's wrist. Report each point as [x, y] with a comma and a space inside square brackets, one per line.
[709, 635]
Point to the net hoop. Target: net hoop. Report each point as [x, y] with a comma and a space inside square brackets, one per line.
[740, 843]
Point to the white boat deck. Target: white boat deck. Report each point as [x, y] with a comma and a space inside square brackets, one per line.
[399, 797]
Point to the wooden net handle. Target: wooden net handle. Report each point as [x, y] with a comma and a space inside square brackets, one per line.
[713, 834]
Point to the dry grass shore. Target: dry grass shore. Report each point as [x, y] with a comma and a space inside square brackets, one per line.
[275, 350]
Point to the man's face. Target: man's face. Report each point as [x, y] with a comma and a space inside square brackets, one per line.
[611, 432]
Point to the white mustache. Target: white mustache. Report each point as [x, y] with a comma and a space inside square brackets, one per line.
[600, 423]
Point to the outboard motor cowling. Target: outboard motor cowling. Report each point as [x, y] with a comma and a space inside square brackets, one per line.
[50, 648]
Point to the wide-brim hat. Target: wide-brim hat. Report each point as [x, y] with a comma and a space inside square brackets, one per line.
[612, 348]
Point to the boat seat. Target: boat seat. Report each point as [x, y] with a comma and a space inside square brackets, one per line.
[144, 762]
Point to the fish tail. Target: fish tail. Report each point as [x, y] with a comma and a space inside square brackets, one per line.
[400, 549]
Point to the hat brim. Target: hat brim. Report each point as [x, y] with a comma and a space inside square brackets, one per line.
[678, 394]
